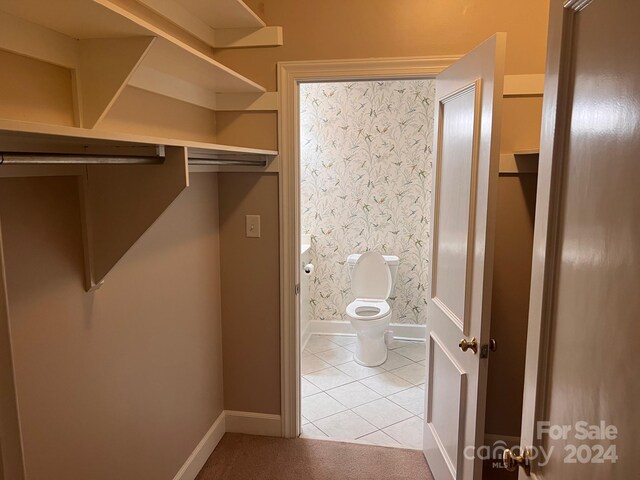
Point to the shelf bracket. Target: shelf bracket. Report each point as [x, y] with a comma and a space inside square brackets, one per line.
[260, 102]
[248, 37]
[105, 66]
[519, 162]
[11, 455]
[120, 202]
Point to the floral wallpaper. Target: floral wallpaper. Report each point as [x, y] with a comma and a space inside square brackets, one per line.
[366, 151]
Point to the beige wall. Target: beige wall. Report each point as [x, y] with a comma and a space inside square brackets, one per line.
[332, 29]
[250, 293]
[125, 395]
[369, 28]
[510, 302]
[34, 91]
[124, 382]
[512, 269]
[338, 29]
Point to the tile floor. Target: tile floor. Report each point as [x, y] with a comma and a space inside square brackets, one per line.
[343, 400]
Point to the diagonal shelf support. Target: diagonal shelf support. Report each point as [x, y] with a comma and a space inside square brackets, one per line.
[11, 455]
[248, 37]
[121, 202]
[105, 66]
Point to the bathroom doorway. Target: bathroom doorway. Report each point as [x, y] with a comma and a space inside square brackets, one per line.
[519, 140]
[365, 185]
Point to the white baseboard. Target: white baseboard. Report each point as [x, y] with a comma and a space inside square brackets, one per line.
[306, 335]
[203, 450]
[253, 423]
[228, 421]
[339, 327]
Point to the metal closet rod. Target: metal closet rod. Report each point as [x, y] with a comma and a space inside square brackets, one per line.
[77, 159]
[84, 159]
[220, 161]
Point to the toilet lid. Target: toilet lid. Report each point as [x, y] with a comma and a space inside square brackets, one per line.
[371, 277]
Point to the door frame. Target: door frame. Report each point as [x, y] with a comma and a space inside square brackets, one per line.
[290, 75]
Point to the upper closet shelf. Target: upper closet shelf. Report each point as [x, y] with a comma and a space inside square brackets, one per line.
[109, 44]
[522, 161]
[33, 143]
[218, 23]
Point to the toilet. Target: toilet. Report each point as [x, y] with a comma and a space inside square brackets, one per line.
[372, 280]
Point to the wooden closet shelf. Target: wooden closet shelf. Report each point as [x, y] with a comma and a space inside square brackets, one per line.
[111, 44]
[218, 23]
[523, 161]
[66, 145]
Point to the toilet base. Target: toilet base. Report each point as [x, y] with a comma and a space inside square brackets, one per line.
[371, 351]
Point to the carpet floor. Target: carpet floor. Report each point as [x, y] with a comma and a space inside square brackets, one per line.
[248, 457]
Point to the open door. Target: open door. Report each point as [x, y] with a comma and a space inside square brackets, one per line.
[465, 174]
[580, 418]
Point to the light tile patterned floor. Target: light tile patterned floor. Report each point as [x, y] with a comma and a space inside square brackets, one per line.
[343, 400]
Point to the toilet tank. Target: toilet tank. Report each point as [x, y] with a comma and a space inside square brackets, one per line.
[392, 262]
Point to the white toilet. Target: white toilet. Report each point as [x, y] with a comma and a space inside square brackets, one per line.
[372, 281]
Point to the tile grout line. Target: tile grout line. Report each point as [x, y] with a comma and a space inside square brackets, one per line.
[360, 381]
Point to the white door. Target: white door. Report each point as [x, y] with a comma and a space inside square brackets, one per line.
[582, 365]
[465, 174]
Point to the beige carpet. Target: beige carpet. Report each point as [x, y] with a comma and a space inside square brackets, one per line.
[247, 457]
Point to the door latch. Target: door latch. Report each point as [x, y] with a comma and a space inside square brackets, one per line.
[484, 350]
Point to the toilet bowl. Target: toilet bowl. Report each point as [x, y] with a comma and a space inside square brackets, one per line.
[372, 280]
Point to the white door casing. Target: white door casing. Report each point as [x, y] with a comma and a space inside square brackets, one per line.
[465, 173]
[290, 75]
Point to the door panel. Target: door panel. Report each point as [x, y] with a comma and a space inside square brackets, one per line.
[446, 394]
[469, 96]
[455, 191]
[584, 301]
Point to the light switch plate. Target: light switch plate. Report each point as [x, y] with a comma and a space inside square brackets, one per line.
[253, 226]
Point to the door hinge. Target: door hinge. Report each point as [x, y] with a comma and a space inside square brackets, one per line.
[297, 289]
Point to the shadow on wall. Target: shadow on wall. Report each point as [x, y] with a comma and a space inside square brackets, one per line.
[366, 153]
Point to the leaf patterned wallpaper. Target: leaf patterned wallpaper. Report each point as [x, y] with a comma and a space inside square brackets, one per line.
[366, 151]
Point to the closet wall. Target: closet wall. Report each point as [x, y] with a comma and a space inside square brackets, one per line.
[100, 376]
[515, 216]
[123, 382]
[250, 303]
[334, 29]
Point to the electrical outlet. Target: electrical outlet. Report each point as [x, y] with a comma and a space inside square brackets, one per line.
[253, 226]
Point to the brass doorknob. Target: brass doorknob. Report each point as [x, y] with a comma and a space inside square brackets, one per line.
[469, 345]
[511, 461]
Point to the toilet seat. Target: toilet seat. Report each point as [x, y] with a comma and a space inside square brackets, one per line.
[366, 310]
[371, 277]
